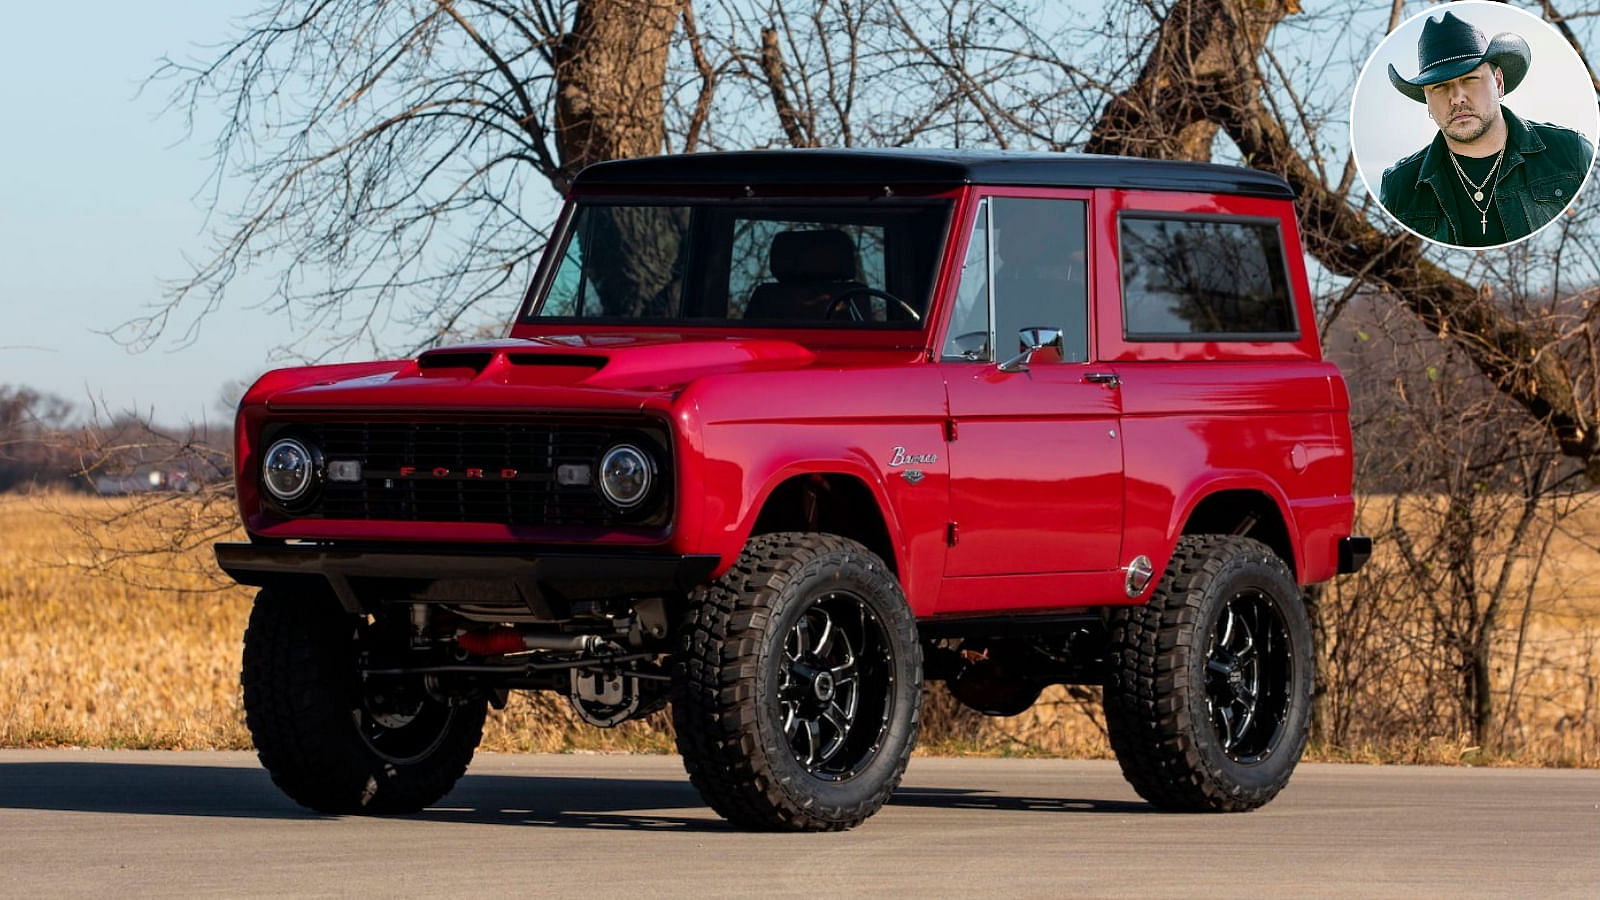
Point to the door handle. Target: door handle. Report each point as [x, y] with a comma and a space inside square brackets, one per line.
[1109, 379]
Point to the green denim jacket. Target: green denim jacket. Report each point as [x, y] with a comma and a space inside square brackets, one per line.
[1543, 168]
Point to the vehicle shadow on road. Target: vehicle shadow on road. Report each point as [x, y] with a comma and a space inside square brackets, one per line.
[149, 789]
[576, 802]
[525, 800]
[245, 793]
[954, 798]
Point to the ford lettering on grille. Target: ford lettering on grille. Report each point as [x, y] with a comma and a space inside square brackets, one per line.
[445, 472]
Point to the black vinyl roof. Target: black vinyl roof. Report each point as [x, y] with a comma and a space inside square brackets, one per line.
[932, 168]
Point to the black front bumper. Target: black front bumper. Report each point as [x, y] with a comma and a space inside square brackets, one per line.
[363, 576]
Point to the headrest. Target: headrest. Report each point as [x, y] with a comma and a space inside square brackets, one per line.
[826, 255]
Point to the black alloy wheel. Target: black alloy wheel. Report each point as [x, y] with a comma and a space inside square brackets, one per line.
[1208, 686]
[836, 686]
[1248, 669]
[399, 722]
[797, 686]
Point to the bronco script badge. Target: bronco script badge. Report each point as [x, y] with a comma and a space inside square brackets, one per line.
[899, 459]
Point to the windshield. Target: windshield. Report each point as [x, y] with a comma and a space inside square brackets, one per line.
[862, 265]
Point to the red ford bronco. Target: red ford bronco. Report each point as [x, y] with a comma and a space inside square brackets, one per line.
[779, 436]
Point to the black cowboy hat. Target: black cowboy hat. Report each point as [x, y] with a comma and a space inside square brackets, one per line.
[1450, 48]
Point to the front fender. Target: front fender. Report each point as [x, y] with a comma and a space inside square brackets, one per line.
[744, 436]
[766, 464]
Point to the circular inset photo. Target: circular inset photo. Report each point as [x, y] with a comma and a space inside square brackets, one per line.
[1474, 124]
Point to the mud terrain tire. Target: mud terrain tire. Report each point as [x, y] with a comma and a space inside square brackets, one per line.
[797, 685]
[1208, 693]
[321, 735]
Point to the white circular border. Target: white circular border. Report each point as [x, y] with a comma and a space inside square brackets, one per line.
[1593, 133]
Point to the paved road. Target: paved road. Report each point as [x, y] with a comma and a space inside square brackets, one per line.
[139, 823]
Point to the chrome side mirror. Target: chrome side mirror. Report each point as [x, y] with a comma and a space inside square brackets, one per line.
[1033, 340]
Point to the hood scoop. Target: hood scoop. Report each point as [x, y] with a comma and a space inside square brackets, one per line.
[545, 359]
[507, 366]
[457, 362]
[615, 364]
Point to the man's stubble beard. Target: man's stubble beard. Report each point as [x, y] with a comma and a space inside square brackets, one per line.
[1472, 132]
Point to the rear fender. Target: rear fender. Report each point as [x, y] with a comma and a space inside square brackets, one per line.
[1199, 491]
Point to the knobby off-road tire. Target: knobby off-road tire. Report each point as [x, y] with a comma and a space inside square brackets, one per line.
[1208, 693]
[332, 743]
[797, 685]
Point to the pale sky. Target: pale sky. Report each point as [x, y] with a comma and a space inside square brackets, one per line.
[101, 206]
[98, 208]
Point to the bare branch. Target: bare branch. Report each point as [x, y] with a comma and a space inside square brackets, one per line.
[708, 80]
[773, 69]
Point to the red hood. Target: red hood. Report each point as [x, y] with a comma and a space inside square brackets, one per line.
[611, 372]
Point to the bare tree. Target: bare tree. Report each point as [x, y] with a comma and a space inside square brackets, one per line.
[1464, 493]
[29, 454]
[380, 156]
[889, 73]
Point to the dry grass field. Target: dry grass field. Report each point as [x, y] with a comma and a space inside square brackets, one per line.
[88, 658]
[144, 652]
[1545, 655]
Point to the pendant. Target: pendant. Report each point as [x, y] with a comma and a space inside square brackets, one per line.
[1478, 196]
[1483, 222]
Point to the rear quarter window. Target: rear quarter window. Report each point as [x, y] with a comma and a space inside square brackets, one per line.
[1204, 278]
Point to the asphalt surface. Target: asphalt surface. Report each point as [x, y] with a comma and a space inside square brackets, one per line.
[103, 823]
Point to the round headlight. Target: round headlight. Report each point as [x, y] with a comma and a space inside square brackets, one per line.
[287, 469]
[625, 475]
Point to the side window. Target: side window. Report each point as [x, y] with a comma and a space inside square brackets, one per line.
[969, 322]
[1025, 261]
[1039, 276]
[567, 289]
[1204, 279]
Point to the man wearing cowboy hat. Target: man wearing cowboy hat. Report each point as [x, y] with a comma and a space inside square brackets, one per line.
[1488, 177]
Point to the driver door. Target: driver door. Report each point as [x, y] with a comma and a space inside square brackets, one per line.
[1036, 479]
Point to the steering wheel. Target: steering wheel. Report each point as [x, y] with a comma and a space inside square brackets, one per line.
[961, 341]
[847, 301]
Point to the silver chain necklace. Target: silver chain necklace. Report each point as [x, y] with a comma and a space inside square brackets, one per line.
[1475, 191]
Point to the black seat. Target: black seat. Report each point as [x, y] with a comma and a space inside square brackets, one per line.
[813, 269]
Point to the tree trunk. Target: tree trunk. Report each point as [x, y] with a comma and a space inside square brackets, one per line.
[611, 72]
[1195, 65]
[1481, 692]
